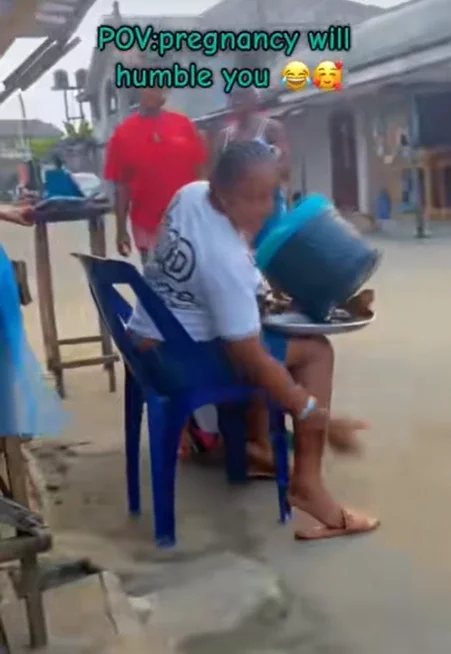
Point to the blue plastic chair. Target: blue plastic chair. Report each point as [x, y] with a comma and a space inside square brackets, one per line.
[168, 410]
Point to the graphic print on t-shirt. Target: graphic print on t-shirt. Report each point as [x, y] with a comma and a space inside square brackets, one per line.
[173, 263]
[178, 260]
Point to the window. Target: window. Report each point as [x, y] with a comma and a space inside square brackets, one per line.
[111, 98]
[133, 97]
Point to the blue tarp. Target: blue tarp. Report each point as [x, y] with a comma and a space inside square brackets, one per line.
[27, 405]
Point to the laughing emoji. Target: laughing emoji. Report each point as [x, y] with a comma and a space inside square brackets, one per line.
[295, 76]
[328, 76]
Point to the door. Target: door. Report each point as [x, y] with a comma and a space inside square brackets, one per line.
[344, 161]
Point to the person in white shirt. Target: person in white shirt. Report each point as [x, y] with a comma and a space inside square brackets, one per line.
[203, 269]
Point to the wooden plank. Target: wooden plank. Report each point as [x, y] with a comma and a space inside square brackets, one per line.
[79, 340]
[93, 361]
[46, 301]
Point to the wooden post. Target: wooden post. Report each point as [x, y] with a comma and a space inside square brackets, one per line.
[29, 563]
[98, 247]
[46, 301]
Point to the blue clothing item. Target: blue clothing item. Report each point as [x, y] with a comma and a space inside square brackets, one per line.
[27, 406]
[172, 373]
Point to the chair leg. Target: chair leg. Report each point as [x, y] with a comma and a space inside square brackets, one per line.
[281, 458]
[232, 425]
[134, 404]
[165, 430]
[33, 602]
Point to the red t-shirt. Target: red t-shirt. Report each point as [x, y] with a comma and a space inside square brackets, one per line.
[155, 157]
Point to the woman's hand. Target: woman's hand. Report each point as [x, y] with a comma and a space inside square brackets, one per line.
[22, 215]
[361, 304]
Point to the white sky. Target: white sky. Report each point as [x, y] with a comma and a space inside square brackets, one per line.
[40, 101]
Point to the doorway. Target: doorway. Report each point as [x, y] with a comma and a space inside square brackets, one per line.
[344, 161]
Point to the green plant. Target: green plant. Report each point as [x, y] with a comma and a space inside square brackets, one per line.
[82, 130]
[41, 148]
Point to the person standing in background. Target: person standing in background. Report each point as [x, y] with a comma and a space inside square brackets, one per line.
[150, 156]
[248, 123]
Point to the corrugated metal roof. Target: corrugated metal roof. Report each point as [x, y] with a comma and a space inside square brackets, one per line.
[290, 13]
[404, 29]
[54, 20]
[33, 129]
[409, 27]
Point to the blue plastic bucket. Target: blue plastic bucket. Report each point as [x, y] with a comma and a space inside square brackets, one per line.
[316, 257]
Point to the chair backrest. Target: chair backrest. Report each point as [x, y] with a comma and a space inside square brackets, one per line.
[103, 275]
[60, 183]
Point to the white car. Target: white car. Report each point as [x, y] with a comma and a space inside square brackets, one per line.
[89, 183]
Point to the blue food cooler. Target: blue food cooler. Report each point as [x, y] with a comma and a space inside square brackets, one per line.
[316, 257]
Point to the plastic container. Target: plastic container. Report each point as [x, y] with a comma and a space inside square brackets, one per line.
[316, 257]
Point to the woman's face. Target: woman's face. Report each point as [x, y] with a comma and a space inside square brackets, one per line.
[251, 200]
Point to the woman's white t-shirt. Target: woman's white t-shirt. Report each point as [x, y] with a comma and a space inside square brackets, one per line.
[204, 271]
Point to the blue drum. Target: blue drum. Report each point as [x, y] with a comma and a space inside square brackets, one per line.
[316, 257]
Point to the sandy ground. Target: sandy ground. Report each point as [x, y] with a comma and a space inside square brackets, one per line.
[388, 587]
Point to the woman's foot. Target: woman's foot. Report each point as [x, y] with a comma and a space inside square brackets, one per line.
[352, 524]
[315, 501]
[261, 461]
[320, 517]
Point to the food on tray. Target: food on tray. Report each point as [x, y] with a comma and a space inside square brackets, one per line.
[272, 303]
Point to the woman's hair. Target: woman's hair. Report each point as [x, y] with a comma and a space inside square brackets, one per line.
[236, 159]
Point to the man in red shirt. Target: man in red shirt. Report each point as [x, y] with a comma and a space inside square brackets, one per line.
[150, 156]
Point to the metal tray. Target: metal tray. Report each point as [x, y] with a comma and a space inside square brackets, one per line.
[296, 324]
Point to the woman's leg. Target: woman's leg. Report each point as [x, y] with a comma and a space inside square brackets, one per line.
[259, 450]
[311, 362]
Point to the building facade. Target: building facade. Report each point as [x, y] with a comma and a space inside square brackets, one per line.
[388, 124]
[110, 105]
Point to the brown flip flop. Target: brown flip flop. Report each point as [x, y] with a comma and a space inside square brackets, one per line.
[353, 524]
[257, 474]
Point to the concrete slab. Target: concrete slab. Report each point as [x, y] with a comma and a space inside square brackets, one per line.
[217, 596]
[383, 594]
[89, 616]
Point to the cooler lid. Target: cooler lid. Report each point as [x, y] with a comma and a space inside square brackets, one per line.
[296, 218]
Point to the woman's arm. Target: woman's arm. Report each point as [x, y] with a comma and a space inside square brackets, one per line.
[251, 359]
[18, 215]
[230, 292]
[276, 136]
[116, 173]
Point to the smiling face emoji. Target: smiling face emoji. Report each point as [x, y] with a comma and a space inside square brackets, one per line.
[328, 76]
[295, 76]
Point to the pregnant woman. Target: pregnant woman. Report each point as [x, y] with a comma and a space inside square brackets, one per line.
[220, 311]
